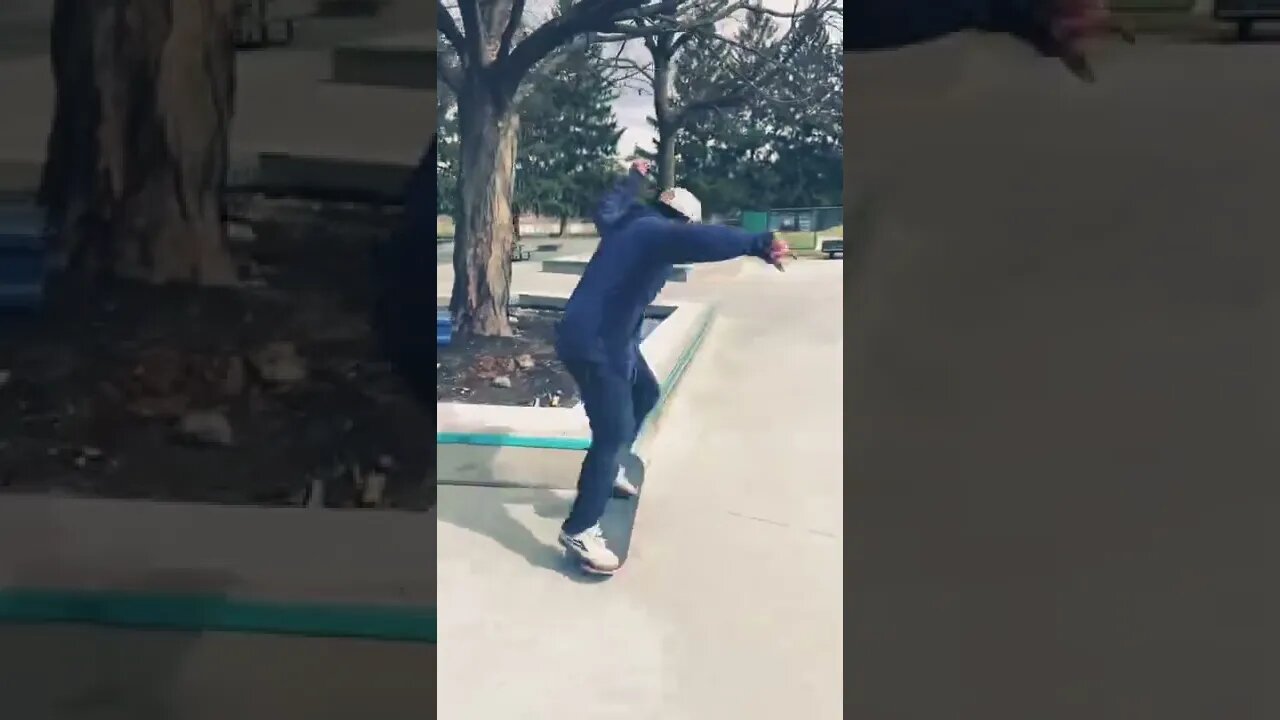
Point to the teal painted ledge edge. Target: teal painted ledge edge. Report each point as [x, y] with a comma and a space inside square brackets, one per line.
[563, 443]
[202, 613]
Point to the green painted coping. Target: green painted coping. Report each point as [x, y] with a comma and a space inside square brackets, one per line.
[574, 443]
[200, 613]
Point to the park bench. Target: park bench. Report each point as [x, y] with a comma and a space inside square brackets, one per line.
[1245, 13]
[260, 24]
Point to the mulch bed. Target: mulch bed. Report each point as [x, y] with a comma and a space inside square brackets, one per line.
[268, 394]
[515, 371]
[519, 370]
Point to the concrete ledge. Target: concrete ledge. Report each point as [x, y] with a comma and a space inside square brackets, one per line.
[575, 264]
[404, 62]
[206, 567]
[505, 446]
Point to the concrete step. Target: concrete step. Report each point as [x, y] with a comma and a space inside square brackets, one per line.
[404, 62]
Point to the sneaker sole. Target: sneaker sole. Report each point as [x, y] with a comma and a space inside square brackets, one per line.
[582, 562]
[595, 571]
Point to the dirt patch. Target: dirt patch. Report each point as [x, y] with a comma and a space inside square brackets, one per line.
[271, 393]
[514, 371]
[519, 370]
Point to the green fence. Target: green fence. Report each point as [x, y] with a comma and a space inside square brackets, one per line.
[802, 227]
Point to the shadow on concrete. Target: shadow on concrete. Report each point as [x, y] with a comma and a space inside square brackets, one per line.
[497, 521]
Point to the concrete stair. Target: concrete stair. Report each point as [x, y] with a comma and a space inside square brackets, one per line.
[404, 62]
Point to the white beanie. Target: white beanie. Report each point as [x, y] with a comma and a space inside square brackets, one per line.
[683, 202]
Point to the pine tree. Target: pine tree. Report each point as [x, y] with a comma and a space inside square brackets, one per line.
[807, 136]
[782, 153]
[568, 140]
[447, 153]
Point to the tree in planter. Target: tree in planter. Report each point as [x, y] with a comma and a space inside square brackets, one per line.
[138, 153]
[482, 62]
[567, 141]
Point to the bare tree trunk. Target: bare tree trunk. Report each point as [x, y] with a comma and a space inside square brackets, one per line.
[485, 233]
[663, 113]
[138, 153]
[564, 225]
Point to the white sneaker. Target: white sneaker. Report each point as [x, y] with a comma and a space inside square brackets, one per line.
[590, 549]
[622, 487]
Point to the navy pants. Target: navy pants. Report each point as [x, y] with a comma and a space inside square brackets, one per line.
[616, 406]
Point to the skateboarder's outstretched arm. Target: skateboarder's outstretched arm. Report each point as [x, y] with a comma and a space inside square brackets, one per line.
[696, 243]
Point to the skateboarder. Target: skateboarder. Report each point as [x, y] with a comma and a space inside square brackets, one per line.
[598, 338]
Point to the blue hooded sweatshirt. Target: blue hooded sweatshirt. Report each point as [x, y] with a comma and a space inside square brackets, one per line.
[638, 246]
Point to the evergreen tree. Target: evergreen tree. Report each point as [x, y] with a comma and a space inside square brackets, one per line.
[807, 134]
[568, 140]
[785, 152]
[447, 153]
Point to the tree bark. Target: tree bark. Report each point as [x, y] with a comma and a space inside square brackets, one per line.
[564, 225]
[138, 153]
[663, 112]
[486, 232]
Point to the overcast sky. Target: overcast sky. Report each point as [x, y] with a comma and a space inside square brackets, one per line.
[632, 106]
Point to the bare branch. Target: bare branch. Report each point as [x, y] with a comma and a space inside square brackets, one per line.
[685, 38]
[548, 66]
[470, 11]
[582, 18]
[450, 29]
[513, 24]
[818, 8]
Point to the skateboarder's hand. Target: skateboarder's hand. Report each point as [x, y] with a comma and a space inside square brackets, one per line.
[641, 166]
[1075, 21]
[779, 251]
[1059, 28]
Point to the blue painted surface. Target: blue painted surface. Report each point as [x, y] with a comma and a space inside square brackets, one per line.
[444, 328]
[205, 613]
[23, 263]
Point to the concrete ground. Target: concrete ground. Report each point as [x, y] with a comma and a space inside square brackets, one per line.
[1062, 383]
[730, 604]
[88, 673]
